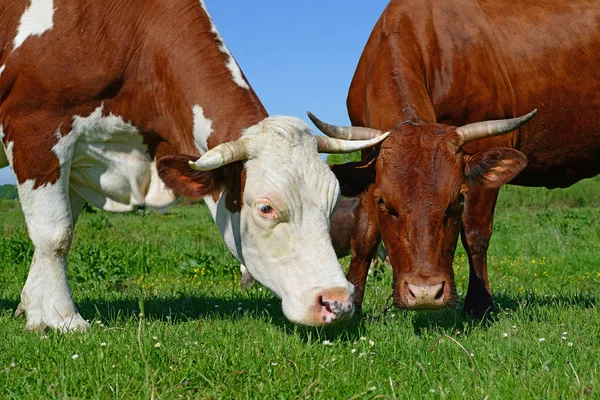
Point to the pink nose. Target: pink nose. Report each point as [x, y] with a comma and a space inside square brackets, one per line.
[424, 295]
[334, 305]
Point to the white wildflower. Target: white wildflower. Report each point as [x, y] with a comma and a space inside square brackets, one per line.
[75, 356]
[542, 339]
[505, 334]
[103, 344]
[327, 343]
[157, 344]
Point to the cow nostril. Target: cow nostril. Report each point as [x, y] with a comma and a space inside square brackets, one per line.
[326, 304]
[440, 292]
[410, 291]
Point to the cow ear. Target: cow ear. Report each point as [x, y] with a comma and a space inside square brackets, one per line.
[354, 177]
[494, 167]
[176, 173]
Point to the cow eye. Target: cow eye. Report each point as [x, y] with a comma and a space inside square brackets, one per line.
[392, 212]
[384, 207]
[381, 204]
[265, 210]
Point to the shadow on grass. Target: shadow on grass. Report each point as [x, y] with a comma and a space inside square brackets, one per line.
[204, 309]
[201, 308]
[262, 307]
[451, 321]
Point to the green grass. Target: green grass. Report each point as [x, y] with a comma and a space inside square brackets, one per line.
[219, 342]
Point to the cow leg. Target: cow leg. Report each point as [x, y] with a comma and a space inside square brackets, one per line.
[477, 224]
[50, 212]
[365, 242]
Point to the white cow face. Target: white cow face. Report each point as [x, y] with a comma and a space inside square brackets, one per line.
[282, 231]
[288, 198]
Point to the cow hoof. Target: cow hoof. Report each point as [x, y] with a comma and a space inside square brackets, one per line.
[74, 323]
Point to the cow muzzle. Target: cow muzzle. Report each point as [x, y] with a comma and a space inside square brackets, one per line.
[425, 292]
[334, 305]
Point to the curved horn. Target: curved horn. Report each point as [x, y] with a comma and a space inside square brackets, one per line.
[480, 130]
[330, 145]
[223, 154]
[345, 132]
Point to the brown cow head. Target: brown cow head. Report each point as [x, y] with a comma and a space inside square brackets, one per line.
[418, 181]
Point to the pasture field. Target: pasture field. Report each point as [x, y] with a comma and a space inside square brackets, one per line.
[202, 337]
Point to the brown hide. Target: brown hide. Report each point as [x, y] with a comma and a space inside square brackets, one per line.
[128, 57]
[442, 64]
[343, 222]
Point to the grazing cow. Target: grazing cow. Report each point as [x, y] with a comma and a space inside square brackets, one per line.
[125, 103]
[429, 72]
[343, 222]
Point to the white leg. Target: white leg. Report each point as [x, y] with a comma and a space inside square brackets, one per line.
[46, 298]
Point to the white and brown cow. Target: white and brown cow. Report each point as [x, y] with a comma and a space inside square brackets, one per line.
[118, 103]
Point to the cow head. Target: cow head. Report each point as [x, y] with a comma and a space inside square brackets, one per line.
[416, 185]
[287, 197]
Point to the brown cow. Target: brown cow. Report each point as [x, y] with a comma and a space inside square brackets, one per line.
[432, 66]
[123, 103]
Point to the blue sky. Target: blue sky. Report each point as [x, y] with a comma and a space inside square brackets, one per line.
[297, 55]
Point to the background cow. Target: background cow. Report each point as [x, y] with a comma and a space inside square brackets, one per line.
[432, 66]
[114, 102]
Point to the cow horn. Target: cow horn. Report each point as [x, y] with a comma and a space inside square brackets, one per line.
[480, 130]
[330, 145]
[223, 154]
[345, 132]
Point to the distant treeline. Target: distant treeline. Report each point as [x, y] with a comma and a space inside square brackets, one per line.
[8, 192]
